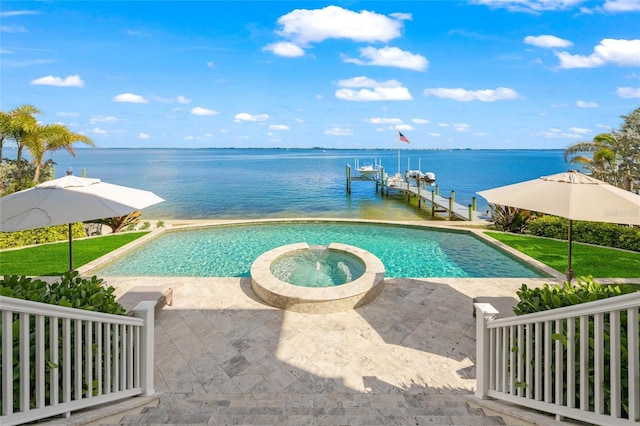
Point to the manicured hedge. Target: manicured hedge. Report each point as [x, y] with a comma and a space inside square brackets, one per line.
[49, 234]
[586, 290]
[602, 234]
[71, 291]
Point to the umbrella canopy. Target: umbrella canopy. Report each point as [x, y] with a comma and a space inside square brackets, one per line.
[572, 195]
[67, 200]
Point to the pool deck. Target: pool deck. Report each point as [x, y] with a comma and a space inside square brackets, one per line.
[225, 357]
[222, 356]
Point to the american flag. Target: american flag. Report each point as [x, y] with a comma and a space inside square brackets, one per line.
[402, 137]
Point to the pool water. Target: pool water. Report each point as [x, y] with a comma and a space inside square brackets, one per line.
[317, 267]
[229, 251]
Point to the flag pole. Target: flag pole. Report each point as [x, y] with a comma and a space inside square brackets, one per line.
[398, 152]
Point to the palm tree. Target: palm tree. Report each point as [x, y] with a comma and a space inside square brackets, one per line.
[50, 137]
[602, 163]
[615, 156]
[15, 123]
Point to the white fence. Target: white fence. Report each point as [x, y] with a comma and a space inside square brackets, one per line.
[56, 360]
[580, 362]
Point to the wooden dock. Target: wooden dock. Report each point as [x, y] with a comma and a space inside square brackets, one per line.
[428, 196]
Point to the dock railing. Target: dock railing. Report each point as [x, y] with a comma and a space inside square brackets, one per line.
[56, 360]
[580, 362]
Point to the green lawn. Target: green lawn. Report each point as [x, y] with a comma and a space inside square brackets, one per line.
[53, 259]
[600, 262]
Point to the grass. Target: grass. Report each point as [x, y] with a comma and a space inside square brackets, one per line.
[600, 262]
[53, 259]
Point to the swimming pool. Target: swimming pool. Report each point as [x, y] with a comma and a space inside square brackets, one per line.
[405, 251]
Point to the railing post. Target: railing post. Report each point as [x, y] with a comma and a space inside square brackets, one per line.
[484, 313]
[146, 311]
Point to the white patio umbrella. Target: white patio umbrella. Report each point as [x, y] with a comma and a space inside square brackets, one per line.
[572, 195]
[68, 200]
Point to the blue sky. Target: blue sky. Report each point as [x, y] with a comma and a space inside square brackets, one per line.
[448, 74]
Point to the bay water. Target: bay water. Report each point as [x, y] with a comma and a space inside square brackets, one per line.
[232, 183]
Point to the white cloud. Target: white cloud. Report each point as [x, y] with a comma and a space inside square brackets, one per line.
[278, 127]
[136, 33]
[628, 92]
[68, 114]
[585, 104]
[579, 130]
[285, 49]
[463, 95]
[243, 116]
[338, 131]
[18, 13]
[179, 99]
[304, 26]
[461, 127]
[623, 53]
[203, 111]
[377, 94]
[372, 90]
[621, 5]
[130, 98]
[98, 131]
[143, 136]
[390, 57]
[420, 120]
[94, 119]
[530, 5]
[561, 134]
[547, 41]
[12, 29]
[381, 120]
[69, 81]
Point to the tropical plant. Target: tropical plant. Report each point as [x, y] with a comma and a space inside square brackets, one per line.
[615, 156]
[21, 126]
[50, 137]
[15, 124]
[509, 219]
[120, 222]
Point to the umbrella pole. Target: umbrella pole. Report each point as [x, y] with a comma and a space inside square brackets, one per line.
[70, 250]
[569, 271]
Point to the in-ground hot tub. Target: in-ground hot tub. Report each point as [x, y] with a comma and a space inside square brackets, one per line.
[317, 279]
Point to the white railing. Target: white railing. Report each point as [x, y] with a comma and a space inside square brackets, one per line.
[573, 362]
[56, 360]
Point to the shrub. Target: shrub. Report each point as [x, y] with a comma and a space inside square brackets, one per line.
[73, 292]
[160, 224]
[586, 290]
[602, 234]
[118, 223]
[49, 234]
[509, 219]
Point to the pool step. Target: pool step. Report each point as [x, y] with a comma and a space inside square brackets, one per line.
[162, 294]
[303, 409]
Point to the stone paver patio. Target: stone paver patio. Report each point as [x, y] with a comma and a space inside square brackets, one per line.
[224, 357]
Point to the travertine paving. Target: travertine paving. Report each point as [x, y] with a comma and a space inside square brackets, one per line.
[224, 357]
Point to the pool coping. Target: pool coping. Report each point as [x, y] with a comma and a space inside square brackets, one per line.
[350, 295]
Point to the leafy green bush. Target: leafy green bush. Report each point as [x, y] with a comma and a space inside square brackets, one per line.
[602, 234]
[586, 290]
[72, 291]
[49, 234]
